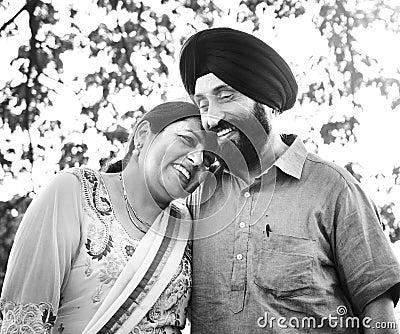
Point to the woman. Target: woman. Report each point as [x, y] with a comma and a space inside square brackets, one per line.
[107, 252]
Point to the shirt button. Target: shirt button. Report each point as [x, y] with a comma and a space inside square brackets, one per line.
[247, 194]
[239, 257]
[242, 224]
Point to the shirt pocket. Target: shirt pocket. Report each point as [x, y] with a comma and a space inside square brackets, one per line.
[285, 265]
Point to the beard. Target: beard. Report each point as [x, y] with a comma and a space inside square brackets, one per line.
[252, 136]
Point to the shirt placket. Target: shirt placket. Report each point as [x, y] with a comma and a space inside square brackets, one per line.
[240, 248]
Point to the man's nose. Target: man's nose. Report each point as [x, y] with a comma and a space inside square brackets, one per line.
[211, 118]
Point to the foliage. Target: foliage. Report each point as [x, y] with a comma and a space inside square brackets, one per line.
[85, 71]
[11, 214]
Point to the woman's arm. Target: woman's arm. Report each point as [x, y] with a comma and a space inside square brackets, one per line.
[41, 257]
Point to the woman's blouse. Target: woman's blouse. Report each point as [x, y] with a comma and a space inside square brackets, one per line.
[68, 252]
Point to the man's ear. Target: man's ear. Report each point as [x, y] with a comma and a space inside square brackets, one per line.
[142, 132]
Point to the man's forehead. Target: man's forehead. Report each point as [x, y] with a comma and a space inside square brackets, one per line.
[208, 83]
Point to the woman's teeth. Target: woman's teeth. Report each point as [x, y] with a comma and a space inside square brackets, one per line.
[183, 170]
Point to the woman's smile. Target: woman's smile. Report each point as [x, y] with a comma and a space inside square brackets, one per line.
[183, 172]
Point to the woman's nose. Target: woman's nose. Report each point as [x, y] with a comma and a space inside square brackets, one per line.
[196, 158]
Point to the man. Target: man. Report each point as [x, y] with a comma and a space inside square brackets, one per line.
[285, 242]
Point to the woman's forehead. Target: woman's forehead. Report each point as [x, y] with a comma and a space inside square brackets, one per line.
[191, 123]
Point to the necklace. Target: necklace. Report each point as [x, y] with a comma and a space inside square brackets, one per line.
[131, 210]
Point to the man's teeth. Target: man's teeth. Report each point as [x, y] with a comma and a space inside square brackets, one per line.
[183, 170]
[224, 132]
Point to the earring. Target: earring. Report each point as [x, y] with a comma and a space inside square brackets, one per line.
[136, 151]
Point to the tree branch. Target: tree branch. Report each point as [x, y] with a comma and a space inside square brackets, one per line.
[4, 26]
[33, 25]
[128, 53]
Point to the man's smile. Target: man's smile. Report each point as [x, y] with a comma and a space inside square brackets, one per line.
[224, 132]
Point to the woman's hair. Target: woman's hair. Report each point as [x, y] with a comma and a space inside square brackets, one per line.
[159, 118]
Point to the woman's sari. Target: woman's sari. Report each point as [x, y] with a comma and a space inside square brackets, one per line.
[145, 277]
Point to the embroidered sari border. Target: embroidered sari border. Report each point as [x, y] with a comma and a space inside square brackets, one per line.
[132, 274]
[149, 274]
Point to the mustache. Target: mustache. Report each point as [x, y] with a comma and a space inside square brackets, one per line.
[223, 124]
[254, 132]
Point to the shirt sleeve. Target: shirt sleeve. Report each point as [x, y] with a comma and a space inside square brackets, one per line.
[366, 263]
[41, 257]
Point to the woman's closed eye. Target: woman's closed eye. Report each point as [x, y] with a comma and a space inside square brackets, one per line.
[188, 140]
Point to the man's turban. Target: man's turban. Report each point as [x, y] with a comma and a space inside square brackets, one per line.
[242, 61]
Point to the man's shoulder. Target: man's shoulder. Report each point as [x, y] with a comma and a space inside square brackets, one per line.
[328, 170]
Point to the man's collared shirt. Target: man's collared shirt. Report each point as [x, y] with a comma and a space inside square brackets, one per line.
[300, 249]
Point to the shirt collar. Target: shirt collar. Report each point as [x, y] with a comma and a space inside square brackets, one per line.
[291, 162]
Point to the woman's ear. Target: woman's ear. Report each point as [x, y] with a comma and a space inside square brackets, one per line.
[142, 133]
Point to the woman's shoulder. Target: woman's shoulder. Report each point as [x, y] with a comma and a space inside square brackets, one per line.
[61, 194]
[82, 173]
[81, 181]
[65, 180]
